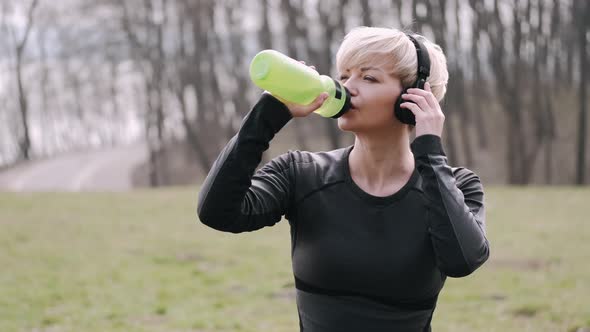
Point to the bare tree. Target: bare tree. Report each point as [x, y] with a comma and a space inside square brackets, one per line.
[264, 34]
[583, 12]
[541, 108]
[297, 33]
[508, 70]
[20, 45]
[45, 114]
[210, 108]
[149, 54]
[182, 79]
[366, 13]
[333, 26]
[479, 94]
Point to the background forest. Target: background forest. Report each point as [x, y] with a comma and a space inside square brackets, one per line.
[79, 74]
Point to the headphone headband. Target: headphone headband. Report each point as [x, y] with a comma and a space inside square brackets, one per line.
[423, 62]
[404, 115]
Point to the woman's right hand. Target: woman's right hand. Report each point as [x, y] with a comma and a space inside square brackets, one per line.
[297, 110]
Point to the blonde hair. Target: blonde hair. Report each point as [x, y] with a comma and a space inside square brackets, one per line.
[392, 50]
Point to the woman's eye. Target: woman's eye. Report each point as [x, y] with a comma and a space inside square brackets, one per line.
[370, 78]
[343, 78]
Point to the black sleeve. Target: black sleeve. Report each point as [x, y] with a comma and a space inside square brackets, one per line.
[456, 207]
[233, 198]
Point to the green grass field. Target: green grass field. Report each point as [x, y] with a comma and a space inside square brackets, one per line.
[140, 261]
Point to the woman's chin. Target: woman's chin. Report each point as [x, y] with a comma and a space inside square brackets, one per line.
[346, 122]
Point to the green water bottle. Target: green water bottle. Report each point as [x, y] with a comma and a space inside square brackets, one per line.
[295, 82]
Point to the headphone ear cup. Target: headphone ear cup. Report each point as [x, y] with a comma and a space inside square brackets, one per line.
[404, 115]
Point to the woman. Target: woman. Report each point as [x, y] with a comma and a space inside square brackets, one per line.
[376, 227]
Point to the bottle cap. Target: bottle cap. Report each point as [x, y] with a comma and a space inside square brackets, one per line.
[345, 107]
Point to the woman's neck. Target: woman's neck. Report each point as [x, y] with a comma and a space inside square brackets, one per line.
[381, 162]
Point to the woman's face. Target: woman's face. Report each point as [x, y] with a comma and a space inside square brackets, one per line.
[373, 94]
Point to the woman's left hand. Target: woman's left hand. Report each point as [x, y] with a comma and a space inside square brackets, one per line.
[426, 109]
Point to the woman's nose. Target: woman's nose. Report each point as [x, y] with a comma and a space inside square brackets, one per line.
[350, 87]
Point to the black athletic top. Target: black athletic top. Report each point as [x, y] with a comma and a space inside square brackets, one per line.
[360, 262]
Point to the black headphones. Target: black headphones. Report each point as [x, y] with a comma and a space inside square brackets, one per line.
[403, 114]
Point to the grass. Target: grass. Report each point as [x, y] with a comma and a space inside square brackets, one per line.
[140, 261]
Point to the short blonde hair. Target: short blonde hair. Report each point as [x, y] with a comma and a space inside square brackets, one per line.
[392, 50]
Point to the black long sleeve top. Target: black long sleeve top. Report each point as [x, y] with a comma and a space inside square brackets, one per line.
[360, 262]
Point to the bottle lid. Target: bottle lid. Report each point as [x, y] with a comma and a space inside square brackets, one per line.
[346, 106]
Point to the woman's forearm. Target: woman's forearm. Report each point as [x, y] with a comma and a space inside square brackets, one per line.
[228, 200]
[456, 208]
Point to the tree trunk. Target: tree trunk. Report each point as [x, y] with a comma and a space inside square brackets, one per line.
[265, 35]
[465, 137]
[25, 140]
[180, 85]
[113, 96]
[477, 90]
[366, 9]
[191, 135]
[583, 25]
[45, 113]
[296, 34]
[158, 69]
[330, 31]
[550, 119]
[451, 145]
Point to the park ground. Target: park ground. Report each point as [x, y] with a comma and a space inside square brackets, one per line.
[141, 261]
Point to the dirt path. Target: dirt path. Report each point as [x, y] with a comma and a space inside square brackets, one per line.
[96, 170]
